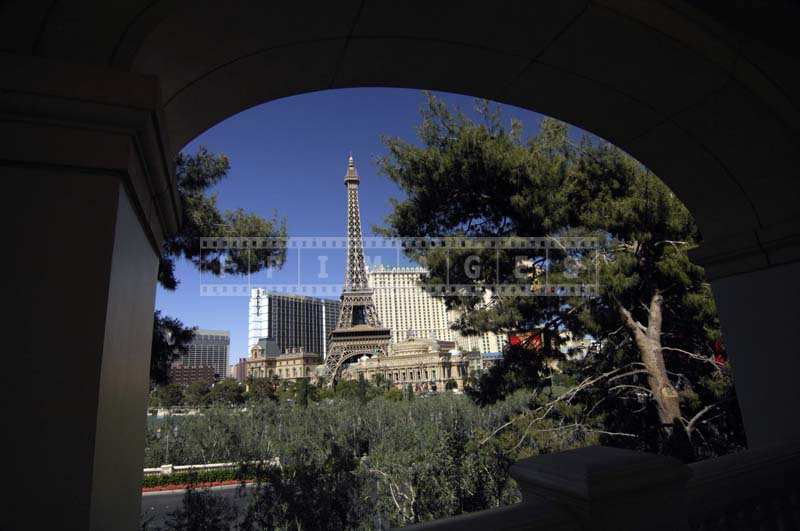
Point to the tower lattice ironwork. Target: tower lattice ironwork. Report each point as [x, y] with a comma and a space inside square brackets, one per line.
[359, 330]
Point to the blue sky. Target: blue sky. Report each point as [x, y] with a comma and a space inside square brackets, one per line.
[288, 157]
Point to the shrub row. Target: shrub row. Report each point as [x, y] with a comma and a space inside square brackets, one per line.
[199, 476]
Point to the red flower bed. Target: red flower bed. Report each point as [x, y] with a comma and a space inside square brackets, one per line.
[199, 485]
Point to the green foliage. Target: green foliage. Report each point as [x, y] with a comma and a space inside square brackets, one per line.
[195, 175]
[393, 394]
[197, 477]
[361, 389]
[170, 341]
[381, 382]
[354, 460]
[302, 392]
[169, 395]
[197, 394]
[152, 401]
[347, 389]
[498, 183]
[260, 389]
[519, 369]
[408, 393]
[310, 492]
[285, 391]
[227, 391]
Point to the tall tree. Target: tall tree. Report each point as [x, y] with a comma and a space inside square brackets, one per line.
[652, 376]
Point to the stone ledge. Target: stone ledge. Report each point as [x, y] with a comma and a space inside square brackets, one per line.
[609, 488]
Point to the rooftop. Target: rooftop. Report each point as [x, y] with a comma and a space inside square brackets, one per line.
[205, 332]
[380, 268]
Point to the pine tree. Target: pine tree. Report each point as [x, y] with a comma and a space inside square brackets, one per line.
[652, 377]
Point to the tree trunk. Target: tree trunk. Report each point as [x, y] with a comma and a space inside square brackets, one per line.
[648, 341]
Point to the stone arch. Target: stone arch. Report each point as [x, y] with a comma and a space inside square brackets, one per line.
[97, 98]
[685, 99]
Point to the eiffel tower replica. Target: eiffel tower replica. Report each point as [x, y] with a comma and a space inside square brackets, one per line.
[359, 330]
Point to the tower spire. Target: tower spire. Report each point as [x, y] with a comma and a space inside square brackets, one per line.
[358, 331]
[352, 174]
[355, 270]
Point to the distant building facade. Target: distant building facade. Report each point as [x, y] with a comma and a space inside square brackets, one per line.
[404, 307]
[183, 375]
[412, 313]
[238, 370]
[486, 343]
[209, 348]
[293, 364]
[291, 320]
[269, 347]
[424, 364]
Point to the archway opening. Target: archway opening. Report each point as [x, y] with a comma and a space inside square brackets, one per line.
[101, 99]
[422, 378]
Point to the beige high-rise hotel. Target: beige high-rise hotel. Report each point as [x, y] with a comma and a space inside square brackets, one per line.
[410, 312]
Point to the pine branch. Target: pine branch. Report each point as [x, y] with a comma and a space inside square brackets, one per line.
[565, 397]
[628, 386]
[586, 428]
[694, 356]
[632, 324]
[692, 423]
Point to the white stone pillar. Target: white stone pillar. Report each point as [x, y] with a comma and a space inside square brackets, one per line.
[88, 198]
[756, 282]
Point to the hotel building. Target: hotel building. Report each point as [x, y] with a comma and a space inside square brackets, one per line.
[410, 312]
[291, 320]
[404, 307]
[209, 348]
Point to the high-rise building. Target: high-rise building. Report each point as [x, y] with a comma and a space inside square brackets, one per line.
[291, 320]
[209, 348]
[413, 313]
[405, 308]
[486, 343]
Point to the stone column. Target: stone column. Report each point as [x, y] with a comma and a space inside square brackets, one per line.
[609, 489]
[88, 198]
[756, 283]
